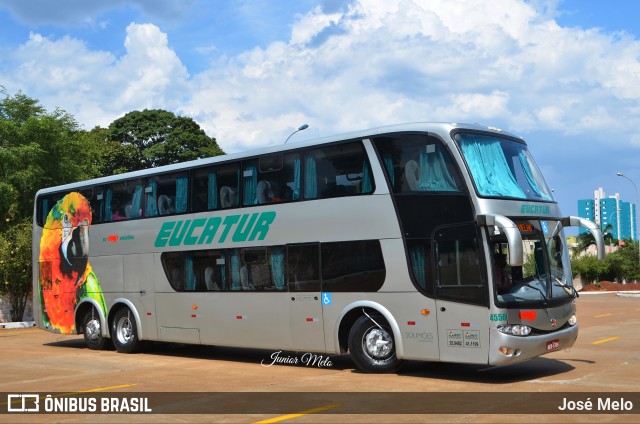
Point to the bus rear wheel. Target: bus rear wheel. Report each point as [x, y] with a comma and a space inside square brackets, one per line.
[124, 331]
[92, 330]
[372, 346]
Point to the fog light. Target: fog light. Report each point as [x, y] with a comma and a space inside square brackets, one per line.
[573, 320]
[506, 351]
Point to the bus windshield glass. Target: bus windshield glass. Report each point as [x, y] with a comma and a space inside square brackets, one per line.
[545, 277]
[502, 167]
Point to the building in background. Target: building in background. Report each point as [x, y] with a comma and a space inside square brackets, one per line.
[612, 211]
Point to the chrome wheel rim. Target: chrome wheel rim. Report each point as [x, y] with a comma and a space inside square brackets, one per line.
[92, 329]
[378, 343]
[124, 330]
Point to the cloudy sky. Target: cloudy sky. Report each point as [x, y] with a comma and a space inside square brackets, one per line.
[564, 74]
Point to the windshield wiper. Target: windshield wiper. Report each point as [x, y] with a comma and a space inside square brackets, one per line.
[528, 284]
[569, 289]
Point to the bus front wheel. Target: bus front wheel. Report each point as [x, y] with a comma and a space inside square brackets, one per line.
[92, 330]
[372, 347]
[124, 331]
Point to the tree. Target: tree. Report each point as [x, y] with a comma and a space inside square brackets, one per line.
[15, 267]
[623, 263]
[586, 239]
[157, 137]
[590, 267]
[37, 149]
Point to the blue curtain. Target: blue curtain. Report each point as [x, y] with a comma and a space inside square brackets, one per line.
[417, 254]
[212, 191]
[182, 188]
[276, 260]
[250, 178]
[434, 175]
[136, 202]
[367, 186]
[151, 208]
[223, 270]
[191, 277]
[235, 272]
[388, 163]
[296, 179]
[489, 167]
[524, 161]
[108, 213]
[45, 209]
[310, 178]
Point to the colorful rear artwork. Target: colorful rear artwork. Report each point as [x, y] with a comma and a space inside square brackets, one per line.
[66, 276]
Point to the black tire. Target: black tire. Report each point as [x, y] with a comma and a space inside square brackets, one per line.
[372, 347]
[124, 331]
[92, 330]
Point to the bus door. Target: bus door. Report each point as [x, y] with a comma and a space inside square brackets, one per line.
[140, 285]
[461, 295]
[305, 301]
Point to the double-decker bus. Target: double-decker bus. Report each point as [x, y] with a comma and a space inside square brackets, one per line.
[435, 242]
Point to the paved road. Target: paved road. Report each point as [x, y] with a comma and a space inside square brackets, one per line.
[606, 358]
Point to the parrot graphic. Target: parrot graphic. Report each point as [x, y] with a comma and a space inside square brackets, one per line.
[66, 276]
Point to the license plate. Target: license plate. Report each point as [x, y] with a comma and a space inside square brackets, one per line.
[553, 345]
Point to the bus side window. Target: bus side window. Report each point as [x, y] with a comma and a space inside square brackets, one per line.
[173, 264]
[124, 200]
[458, 260]
[417, 163]
[352, 266]
[336, 171]
[303, 268]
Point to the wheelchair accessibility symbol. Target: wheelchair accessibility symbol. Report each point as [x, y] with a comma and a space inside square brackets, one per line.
[326, 299]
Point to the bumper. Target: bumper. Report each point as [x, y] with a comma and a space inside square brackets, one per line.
[523, 348]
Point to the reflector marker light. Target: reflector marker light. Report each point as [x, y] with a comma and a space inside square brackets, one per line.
[528, 315]
[465, 324]
[411, 323]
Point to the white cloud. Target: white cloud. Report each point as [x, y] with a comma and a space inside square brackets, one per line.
[96, 87]
[504, 62]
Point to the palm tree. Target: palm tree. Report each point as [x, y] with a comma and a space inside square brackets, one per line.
[586, 239]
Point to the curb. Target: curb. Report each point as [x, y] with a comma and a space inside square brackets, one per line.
[631, 293]
[25, 324]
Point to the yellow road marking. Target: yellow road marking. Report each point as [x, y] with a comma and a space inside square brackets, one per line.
[101, 389]
[606, 340]
[299, 414]
[603, 315]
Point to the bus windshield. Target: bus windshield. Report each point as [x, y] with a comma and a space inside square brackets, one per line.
[502, 167]
[545, 277]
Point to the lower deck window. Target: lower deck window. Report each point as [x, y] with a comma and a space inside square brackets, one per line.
[354, 266]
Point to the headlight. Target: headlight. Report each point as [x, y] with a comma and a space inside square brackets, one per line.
[573, 320]
[515, 330]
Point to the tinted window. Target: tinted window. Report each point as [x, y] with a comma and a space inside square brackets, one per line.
[303, 268]
[355, 266]
[417, 163]
[260, 269]
[460, 275]
[340, 170]
[166, 194]
[420, 264]
[124, 200]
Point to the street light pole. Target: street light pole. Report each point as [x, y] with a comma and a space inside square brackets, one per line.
[620, 174]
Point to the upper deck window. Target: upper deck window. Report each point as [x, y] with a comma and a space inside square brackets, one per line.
[416, 163]
[502, 167]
